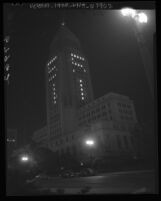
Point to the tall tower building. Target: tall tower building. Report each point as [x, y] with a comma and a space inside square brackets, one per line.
[68, 83]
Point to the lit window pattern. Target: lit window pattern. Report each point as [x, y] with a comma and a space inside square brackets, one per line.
[51, 69]
[6, 59]
[76, 60]
[78, 57]
[11, 140]
[81, 89]
[52, 60]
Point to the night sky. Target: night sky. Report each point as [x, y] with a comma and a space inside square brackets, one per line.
[107, 41]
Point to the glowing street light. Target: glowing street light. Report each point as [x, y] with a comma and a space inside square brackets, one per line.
[89, 142]
[24, 158]
[142, 18]
[128, 12]
[139, 17]
[135, 18]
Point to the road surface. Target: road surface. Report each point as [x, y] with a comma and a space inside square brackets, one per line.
[135, 182]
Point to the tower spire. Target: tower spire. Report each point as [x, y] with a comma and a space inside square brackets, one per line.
[63, 23]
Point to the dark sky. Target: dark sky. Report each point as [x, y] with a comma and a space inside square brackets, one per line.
[108, 43]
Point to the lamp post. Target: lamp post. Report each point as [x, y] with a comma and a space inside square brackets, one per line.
[90, 143]
[135, 20]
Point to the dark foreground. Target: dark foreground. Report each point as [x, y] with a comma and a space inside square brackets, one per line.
[131, 182]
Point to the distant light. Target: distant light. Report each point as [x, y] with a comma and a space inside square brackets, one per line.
[142, 18]
[128, 12]
[80, 80]
[89, 142]
[63, 23]
[24, 158]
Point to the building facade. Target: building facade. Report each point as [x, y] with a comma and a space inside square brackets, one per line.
[40, 137]
[73, 116]
[68, 84]
[110, 121]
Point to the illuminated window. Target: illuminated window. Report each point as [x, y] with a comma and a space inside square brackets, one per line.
[72, 58]
[84, 70]
[80, 80]
[72, 62]
[81, 85]
[73, 70]
[71, 54]
[54, 102]
[82, 98]
[81, 89]
[82, 94]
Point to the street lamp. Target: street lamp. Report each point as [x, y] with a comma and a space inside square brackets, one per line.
[24, 158]
[135, 18]
[140, 17]
[90, 142]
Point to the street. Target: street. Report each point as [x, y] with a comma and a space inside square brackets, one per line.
[134, 182]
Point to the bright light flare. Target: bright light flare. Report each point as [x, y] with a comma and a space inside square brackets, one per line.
[24, 158]
[128, 12]
[89, 142]
[142, 17]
